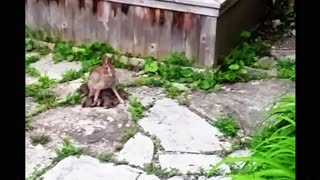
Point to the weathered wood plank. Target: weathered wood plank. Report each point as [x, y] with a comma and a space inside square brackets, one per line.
[192, 23]
[44, 19]
[165, 27]
[90, 20]
[31, 12]
[78, 18]
[103, 18]
[71, 14]
[207, 41]
[204, 3]
[151, 31]
[172, 6]
[56, 18]
[178, 35]
[114, 25]
[126, 33]
[138, 31]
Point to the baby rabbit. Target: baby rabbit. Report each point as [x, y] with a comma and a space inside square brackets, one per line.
[102, 77]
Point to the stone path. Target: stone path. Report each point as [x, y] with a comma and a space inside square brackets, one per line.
[169, 135]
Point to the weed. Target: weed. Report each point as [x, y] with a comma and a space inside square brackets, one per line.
[39, 139]
[173, 91]
[71, 75]
[136, 109]
[227, 126]
[287, 69]
[37, 173]
[105, 156]
[273, 153]
[32, 59]
[32, 71]
[128, 133]
[31, 45]
[152, 168]
[71, 99]
[68, 149]
[177, 58]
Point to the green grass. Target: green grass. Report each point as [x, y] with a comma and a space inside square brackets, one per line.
[39, 139]
[68, 149]
[136, 109]
[71, 75]
[287, 69]
[128, 133]
[105, 156]
[40, 92]
[152, 168]
[71, 99]
[227, 126]
[273, 150]
[32, 71]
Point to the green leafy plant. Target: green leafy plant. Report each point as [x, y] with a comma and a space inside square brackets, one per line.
[40, 91]
[177, 58]
[32, 71]
[136, 109]
[68, 149]
[287, 69]
[31, 59]
[227, 126]
[71, 75]
[273, 151]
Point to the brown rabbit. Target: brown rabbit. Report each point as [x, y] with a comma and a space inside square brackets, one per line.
[107, 97]
[102, 77]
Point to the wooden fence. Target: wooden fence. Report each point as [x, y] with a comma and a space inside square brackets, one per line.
[147, 27]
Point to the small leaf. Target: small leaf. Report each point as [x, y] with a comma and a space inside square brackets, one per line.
[187, 72]
[234, 67]
[151, 67]
[70, 57]
[28, 47]
[245, 34]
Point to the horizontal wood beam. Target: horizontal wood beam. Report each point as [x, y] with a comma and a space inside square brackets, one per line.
[173, 6]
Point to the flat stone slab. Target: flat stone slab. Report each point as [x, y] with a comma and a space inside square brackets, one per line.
[285, 49]
[124, 76]
[246, 102]
[148, 177]
[95, 128]
[31, 80]
[146, 95]
[37, 157]
[47, 67]
[179, 129]
[191, 163]
[88, 168]
[64, 89]
[137, 151]
[31, 105]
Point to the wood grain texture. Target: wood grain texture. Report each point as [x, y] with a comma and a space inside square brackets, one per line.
[114, 25]
[207, 11]
[126, 33]
[138, 31]
[102, 21]
[178, 33]
[192, 36]
[164, 43]
[151, 31]
[207, 41]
